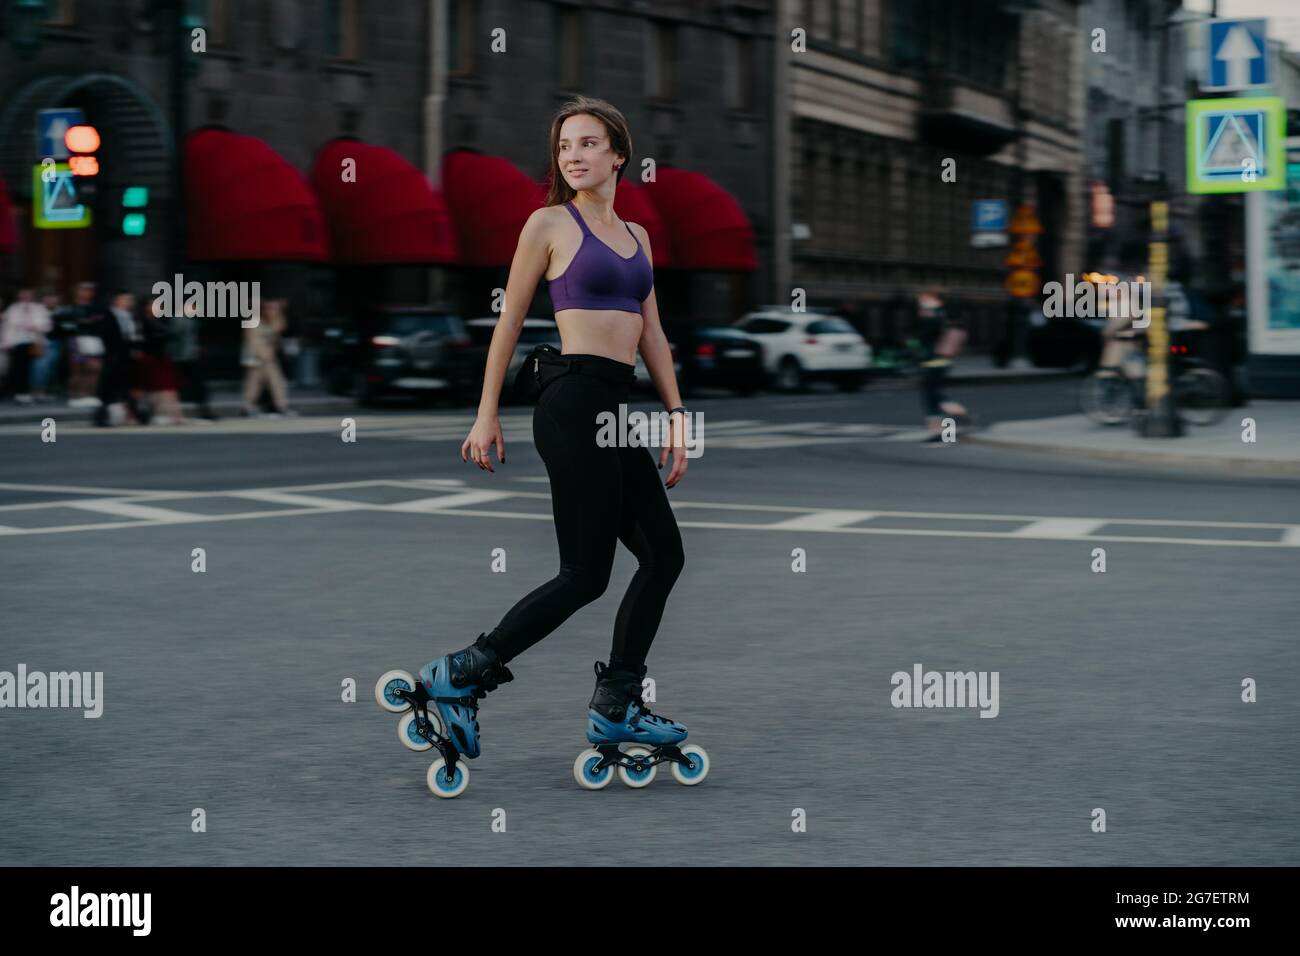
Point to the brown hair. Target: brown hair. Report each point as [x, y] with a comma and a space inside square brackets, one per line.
[620, 141]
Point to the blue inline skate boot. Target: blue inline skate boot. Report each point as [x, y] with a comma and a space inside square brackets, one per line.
[618, 715]
[454, 684]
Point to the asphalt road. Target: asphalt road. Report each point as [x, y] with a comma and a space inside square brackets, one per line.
[328, 561]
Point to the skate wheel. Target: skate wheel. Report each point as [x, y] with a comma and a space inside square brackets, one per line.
[410, 737]
[384, 690]
[582, 771]
[631, 777]
[436, 778]
[699, 766]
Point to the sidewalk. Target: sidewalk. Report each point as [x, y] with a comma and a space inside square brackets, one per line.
[980, 368]
[225, 402]
[1275, 451]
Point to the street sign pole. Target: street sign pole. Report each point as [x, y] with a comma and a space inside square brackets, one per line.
[1161, 419]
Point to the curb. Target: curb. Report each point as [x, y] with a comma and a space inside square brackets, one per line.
[1231, 466]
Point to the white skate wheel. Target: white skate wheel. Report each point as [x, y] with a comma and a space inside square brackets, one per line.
[582, 771]
[436, 778]
[407, 734]
[384, 690]
[700, 766]
[631, 777]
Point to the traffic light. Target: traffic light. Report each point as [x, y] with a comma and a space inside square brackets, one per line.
[135, 202]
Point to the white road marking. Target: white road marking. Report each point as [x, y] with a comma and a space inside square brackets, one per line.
[1055, 527]
[821, 520]
[443, 502]
[778, 518]
[127, 509]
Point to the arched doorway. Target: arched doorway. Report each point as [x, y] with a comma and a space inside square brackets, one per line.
[136, 150]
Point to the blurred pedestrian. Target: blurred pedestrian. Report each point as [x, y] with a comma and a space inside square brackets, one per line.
[185, 350]
[941, 342]
[23, 330]
[260, 359]
[122, 338]
[46, 368]
[157, 376]
[79, 327]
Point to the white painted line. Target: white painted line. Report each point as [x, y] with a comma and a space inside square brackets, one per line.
[452, 501]
[821, 520]
[75, 489]
[303, 501]
[1291, 536]
[126, 509]
[1058, 528]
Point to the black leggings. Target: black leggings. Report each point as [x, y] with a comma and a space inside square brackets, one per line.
[599, 496]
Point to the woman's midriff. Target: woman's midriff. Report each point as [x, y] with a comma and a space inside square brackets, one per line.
[606, 332]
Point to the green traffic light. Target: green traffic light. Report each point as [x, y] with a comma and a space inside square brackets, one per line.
[133, 224]
[135, 197]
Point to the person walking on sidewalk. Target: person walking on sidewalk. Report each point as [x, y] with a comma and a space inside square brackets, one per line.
[941, 342]
[186, 353]
[80, 327]
[23, 330]
[261, 361]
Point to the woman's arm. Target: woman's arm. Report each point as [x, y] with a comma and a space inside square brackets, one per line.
[658, 356]
[532, 255]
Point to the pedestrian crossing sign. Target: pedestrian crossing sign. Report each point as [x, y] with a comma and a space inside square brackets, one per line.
[1235, 145]
[55, 203]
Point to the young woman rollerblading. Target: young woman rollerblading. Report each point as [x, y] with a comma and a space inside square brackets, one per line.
[600, 277]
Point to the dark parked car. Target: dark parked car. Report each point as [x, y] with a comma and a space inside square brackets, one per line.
[717, 357]
[393, 350]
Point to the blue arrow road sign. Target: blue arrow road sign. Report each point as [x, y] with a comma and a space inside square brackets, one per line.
[1238, 55]
[51, 127]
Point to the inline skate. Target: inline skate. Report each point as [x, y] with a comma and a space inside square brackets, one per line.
[618, 715]
[454, 684]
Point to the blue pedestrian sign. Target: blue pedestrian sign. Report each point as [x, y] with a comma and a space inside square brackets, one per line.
[51, 127]
[1235, 145]
[1238, 55]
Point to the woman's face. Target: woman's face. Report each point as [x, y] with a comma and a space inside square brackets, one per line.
[585, 156]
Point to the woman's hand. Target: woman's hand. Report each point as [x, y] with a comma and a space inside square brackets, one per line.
[485, 433]
[675, 442]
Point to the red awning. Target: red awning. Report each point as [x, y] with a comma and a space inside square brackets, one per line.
[8, 231]
[490, 199]
[707, 227]
[387, 214]
[243, 201]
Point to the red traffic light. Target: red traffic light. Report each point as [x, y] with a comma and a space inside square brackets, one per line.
[81, 139]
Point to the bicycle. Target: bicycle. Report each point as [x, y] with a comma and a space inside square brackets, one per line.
[1114, 394]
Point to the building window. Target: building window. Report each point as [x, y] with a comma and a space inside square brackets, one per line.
[462, 27]
[661, 61]
[568, 41]
[341, 29]
[60, 13]
[218, 22]
[971, 39]
[740, 73]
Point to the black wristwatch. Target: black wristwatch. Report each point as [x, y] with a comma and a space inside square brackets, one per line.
[679, 408]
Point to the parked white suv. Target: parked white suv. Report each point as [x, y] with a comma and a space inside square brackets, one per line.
[799, 347]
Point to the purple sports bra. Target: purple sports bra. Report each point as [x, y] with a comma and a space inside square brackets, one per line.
[599, 278]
